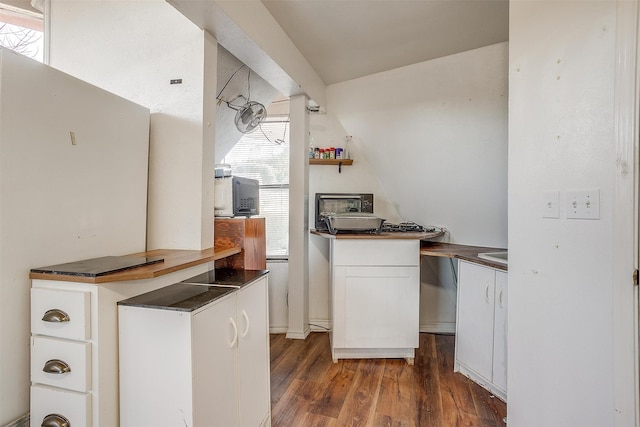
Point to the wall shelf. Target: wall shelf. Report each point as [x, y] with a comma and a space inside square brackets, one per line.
[338, 162]
[345, 162]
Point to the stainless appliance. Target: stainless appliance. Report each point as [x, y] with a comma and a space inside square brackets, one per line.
[353, 222]
[336, 204]
[236, 196]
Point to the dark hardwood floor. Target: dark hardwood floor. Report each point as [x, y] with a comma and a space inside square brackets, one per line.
[309, 390]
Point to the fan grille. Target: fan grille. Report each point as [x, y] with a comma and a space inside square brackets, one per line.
[249, 116]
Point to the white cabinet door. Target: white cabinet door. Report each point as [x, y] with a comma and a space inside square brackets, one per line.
[253, 354]
[215, 342]
[474, 329]
[500, 333]
[380, 307]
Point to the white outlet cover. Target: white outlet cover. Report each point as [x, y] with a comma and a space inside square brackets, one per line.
[582, 204]
[551, 204]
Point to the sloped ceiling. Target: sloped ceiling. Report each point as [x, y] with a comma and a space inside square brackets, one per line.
[347, 39]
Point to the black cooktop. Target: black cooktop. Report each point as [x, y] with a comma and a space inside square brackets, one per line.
[95, 267]
[226, 277]
[178, 297]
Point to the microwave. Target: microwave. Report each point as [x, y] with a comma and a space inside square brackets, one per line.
[337, 203]
[236, 196]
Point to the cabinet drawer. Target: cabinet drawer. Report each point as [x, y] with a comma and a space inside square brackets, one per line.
[56, 353]
[376, 252]
[68, 313]
[74, 406]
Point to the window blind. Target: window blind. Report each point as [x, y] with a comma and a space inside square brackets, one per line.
[264, 155]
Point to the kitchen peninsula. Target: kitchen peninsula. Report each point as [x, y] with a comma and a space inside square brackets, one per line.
[74, 319]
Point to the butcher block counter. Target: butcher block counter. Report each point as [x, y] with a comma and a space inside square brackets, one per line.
[173, 260]
[74, 322]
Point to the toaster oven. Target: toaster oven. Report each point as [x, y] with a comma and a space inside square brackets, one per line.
[340, 203]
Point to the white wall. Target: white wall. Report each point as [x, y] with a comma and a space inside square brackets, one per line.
[134, 49]
[435, 133]
[60, 202]
[561, 137]
[429, 140]
[327, 131]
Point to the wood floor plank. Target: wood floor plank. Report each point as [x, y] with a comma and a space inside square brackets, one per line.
[430, 407]
[309, 390]
[338, 382]
[457, 400]
[397, 397]
[359, 405]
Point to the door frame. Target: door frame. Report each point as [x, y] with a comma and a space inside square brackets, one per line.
[626, 358]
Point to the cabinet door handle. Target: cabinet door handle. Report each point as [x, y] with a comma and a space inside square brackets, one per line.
[486, 293]
[55, 420]
[56, 316]
[500, 297]
[56, 366]
[235, 332]
[246, 322]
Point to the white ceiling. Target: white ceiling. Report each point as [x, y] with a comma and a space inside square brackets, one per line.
[347, 39]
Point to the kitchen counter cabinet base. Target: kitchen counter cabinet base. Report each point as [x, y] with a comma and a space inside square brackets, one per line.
[375, 293]
[91, 303]
[206, 367]
[481, 327]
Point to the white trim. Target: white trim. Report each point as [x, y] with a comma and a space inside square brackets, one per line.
[320, 325]
[278, 330]
[438, 327]
[625, 232]
[299, 335]
[46, 17]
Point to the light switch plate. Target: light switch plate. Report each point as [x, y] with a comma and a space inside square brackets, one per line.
[551, 204]
[583, 204]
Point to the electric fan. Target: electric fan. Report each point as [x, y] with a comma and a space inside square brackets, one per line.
[249, 116]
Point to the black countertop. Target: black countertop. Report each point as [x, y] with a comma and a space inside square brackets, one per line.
[95, 267]
[195, 292]
[226, 277]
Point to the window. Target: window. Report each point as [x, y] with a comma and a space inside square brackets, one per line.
[264, 155]
[22, 31]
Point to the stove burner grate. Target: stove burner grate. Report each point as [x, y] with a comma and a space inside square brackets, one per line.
[406, 227]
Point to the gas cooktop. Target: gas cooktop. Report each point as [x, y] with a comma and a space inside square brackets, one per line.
[406, 227]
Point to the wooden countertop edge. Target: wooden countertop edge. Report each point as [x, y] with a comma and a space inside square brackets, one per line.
[463, 252]
[381, 236]
[174, 260]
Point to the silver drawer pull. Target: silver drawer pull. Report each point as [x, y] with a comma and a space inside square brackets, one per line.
[56, 316]
[55, 420]
[55, 366]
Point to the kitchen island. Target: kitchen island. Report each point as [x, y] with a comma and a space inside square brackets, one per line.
[74, 322]
[374, 294]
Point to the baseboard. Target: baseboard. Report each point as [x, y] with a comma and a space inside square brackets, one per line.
[299, 335]
[438, 327]
[20, 422]
[278, 329]
[319, 325]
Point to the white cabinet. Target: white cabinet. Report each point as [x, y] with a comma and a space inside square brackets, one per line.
[206, 367]
[481, 327]
[253, 355]
[61, 357]
[375, 295]
[75, 324]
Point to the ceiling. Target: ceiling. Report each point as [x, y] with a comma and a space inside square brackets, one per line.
[347, 39]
